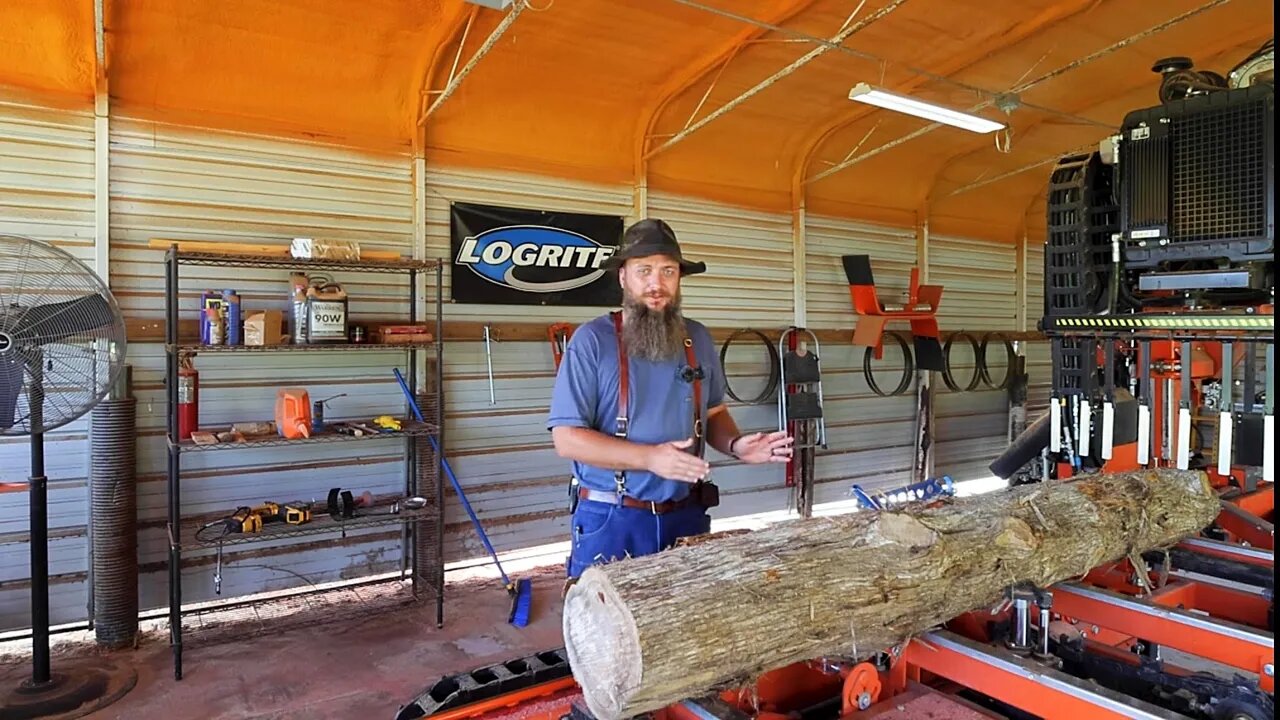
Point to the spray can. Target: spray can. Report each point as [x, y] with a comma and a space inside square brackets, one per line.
[231, 304]
[298, 284]
[188, 398]
[217, 326]
[209, 299]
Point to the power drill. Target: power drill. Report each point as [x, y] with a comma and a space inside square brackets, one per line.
[297, 513]
[251, 520]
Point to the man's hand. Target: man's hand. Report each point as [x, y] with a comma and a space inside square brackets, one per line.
[669, 460]
[762, 448]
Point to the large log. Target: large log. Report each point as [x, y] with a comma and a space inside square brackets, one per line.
[647, 632]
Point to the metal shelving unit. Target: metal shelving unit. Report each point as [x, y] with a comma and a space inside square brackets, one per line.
[422, 530]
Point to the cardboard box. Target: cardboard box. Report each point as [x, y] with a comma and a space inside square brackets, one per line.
[264, 327]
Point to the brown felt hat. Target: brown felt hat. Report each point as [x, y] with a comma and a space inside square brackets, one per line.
[651, 237]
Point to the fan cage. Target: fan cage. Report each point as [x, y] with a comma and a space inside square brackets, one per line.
[62, 337]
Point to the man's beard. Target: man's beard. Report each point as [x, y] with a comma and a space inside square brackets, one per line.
[654, 335]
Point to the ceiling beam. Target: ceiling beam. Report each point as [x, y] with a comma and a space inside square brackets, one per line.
[459, 15]
[782, 11]
[456, 79]
[853, 52]
[1024, 87]
[849, 29]
[100, 42]
[1019, 170]
[1049, 17]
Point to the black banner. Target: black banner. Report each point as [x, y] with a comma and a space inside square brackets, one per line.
[510, 256]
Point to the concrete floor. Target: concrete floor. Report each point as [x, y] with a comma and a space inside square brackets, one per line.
[365, 668]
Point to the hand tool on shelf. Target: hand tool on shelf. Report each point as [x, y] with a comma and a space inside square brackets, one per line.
[521, 591]
[317, 412]
[297, 513]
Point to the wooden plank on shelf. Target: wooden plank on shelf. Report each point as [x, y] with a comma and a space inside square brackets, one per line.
[256, 249]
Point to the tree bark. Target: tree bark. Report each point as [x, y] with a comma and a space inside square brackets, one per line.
[647, 632]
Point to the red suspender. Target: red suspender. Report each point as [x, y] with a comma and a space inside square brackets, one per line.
[697, 397]
[624, 381]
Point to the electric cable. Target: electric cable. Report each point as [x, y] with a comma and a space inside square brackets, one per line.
[908, 368]
[775, 367]
[947, 377]
[984, 372]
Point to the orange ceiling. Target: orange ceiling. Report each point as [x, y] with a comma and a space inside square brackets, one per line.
[573, 86]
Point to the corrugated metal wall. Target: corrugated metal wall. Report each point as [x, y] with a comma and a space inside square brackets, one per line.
[1039, 362]
[180, 183]
[980, 280]
[46, 193]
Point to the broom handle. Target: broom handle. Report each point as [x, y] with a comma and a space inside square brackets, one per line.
[413, 405]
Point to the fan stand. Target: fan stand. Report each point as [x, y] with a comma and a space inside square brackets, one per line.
[79, 686]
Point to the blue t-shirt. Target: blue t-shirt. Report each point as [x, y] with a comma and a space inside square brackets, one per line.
[586, 395]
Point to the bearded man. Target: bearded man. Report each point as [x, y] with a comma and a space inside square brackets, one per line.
[638, 397]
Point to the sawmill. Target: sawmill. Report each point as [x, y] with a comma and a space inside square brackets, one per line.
[1124, 555]
[645, 360]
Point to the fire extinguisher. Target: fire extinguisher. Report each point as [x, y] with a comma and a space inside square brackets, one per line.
[188, 398]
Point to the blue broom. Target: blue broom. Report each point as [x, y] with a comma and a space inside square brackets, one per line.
[521, 591]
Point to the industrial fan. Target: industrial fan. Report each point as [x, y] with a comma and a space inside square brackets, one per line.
[62, 346]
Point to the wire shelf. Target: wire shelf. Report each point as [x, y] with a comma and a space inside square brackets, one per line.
[321, 524]
[289, 263]
[408, 428]
[326, 347]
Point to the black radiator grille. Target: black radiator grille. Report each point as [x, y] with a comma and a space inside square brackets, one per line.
[1146, 159]
[1219, 181]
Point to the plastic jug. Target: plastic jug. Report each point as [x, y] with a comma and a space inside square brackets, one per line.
[293, 413]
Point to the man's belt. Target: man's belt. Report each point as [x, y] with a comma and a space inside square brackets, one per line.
[657, 508]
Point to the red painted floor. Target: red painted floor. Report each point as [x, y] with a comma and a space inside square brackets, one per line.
[364, 668]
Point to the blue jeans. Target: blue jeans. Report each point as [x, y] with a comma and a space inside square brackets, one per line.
[604, 532]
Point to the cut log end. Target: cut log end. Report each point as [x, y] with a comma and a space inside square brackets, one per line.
[602, 644]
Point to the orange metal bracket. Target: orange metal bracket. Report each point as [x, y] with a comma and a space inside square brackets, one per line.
[920, 309]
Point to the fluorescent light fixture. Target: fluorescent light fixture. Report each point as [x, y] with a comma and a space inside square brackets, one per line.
[862, 92]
